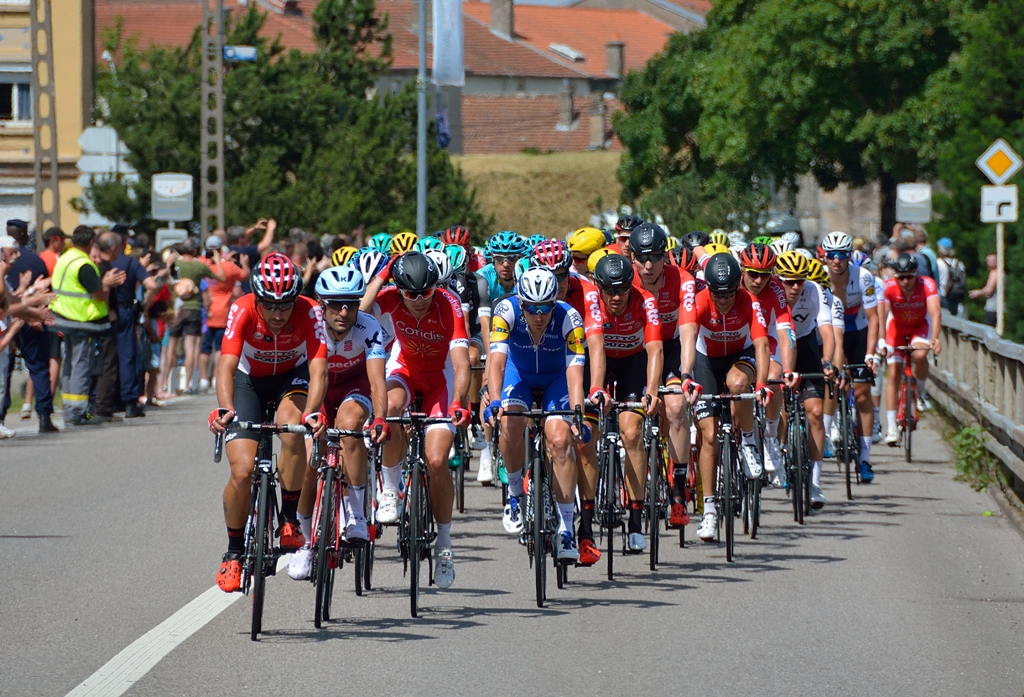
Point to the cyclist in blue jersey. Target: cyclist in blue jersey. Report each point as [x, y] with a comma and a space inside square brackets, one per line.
[537, 343]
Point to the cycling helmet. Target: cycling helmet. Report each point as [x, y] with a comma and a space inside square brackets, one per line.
[428, 243]
[648, 238]
[521, 266]
[859, 258]
[722, 273]
[685, 258]
[736, 250]
[697, 238]
[536, 286]
[837, 242]
[341, 283]
[457, 257]
[672, 243]
[713, 248]
[551, 254]
[381, 242]
[276, 279]
[792, 237]
[586, 241]
[736, 238]
[757, 257]
[781, 246]
[414, 271]
[791, 265]
[804, 253]
[444, 265]
[486, 254]
[456, 234]
[719, 237]
[533, 240]
[596, 257]
[904, 265]
[628, 223]
[507, 243]
[343, 255]
[816, 272]
[403, 242]
[613, 271]
[371, 262]
[763, 239]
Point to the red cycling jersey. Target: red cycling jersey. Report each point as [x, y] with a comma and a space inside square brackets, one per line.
[912, 311]
[719, 336]
[776, 312]
[262, 353]
[677, 291]
[628, 334]
[422, 345]
[584, 298]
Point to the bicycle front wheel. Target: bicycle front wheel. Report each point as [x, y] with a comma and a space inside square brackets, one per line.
[753, 506]
[262, 553]
[909, 413]
[325, 527]
[540, 568]
[416, 534]
[654, 501]
[728, 490]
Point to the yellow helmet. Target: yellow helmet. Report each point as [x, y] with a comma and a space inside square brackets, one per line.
[719, 237]
[596, 257]
[403, 242]
[586, 240]
[343, 255]
[713, 248]
[816, 272]
[791, 265]
[671, 243]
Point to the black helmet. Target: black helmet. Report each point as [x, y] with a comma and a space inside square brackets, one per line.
[648, 238]
[614, 271]
[414, 271]
[904, 264]
[722, 273]
[697, 238]
[625, 223]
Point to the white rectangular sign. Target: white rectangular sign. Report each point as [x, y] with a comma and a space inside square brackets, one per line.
[913, 203]
[172, 197]
[999, 204]
[447, 67]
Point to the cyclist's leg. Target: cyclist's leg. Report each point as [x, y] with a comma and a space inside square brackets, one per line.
[399, 397]
[919, 359]
[558, 439]
[855, 348]
[739, 379]
[292, 460]
[678, 424]
[438, 442]
[710, 374]
[352, 415]
[892, 382]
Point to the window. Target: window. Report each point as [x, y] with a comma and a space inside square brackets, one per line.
[15, 101]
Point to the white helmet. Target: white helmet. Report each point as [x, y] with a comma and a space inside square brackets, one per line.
[792, 237]
[370, 263]
[737, 250]
[537, 285]
[837, 242]
[804, 252]
[443, 263]
[737, 238]
[780, 246]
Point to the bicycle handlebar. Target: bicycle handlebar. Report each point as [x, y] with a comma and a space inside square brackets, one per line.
[336, 433]
[418, 419]
[270, 429]
[928, 349]
[729, 397]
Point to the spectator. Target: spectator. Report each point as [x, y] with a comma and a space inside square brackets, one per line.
[221, 295]
[989, 290]
[240, 240]
[189, 317]
[105, 251]
[127, 324]
[80, 311]
[924, 253]
[9, 326]
[952, 277]
[54, 239]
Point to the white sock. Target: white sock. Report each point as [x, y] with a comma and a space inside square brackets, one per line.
[865, 448]
[828, 424]
[444, 536]
[356, 495]
[773, 428]
[306, 526]
[565, 513]
[922, 385]
[515, 483]
[392, 477]
[709, 505]
[748, 438]
[816, 472]
[890, 416]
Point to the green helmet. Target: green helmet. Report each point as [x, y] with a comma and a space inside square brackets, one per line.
[763, 239]
[381, 242]
[521, 266]
[428, 243]
[458, 257]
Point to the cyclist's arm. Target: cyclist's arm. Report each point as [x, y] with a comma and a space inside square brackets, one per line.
[687, 347]
[655, 363]
[372, 288]
[934, 304]
[460, 364]
[378, 386]
[787, 349]
[595, 351]
[574, 377]
[226, 368]
[496, 375]
[762, 356]
[828, 344]
[317, 384]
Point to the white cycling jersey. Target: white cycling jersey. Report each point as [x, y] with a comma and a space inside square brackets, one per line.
[860, 296]
[814, 308]
[364, 341]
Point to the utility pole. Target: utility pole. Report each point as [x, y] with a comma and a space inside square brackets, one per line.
[44, 122]
[421, 128]
[211, 128]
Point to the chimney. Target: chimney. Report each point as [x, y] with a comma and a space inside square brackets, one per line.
[614, 59]
[597, 126]
[565, 107]
[501, 18]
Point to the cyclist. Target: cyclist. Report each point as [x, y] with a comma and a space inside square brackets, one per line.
[537, 344]
[724, 340]
[273, 353]
[623, 227]
[582, 244]
[428, 358]
[915, 310]
[758, 262]
[811, 308]
[507, 248]
[855, 288]
[355, 392]
[633, 347]
[672, 288]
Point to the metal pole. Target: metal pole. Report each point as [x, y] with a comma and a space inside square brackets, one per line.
[1000, 285]
[211, 129]
[44, 121]
[421, 128]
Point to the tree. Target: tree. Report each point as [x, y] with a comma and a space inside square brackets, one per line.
[304, 142]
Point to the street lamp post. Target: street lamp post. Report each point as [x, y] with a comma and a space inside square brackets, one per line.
[421, 127]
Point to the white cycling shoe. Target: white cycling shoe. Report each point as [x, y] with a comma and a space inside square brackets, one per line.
[773, 453]
[300, 563]
[485, 475]
[512, 517]
[891, 438]
[567, 550]
[751, 461]
[444, 568]
[818, 499]
[636, 542]
[387, 507]
[708, 527]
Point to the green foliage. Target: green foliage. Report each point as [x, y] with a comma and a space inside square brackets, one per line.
[304, 140]
[974, 464]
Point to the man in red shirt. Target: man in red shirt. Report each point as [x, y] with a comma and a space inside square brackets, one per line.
[221, 294]
[55, 240]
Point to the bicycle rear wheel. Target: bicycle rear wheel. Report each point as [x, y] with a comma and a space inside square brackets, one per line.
[416, 533]
[540, 568]
[325, 527]
[728, 491]
[262, 552]
[909, 413]
[797, 475]
[612, 502]
[654, 500]
[754, 506]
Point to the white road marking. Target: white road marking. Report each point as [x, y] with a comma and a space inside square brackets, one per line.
[128, 667]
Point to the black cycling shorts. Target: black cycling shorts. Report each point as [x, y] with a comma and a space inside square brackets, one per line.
[626, 378]
[254, 396]
[710, 372]
[855, 345]
[670, 372]
[808, 360]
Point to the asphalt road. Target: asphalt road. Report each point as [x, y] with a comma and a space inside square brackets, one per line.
[907, 590]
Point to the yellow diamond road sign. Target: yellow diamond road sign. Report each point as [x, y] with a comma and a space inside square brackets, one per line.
[999, 162]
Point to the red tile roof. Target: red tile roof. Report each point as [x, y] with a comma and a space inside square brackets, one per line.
[701, 7]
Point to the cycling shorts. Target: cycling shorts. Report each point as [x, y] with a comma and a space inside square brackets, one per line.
[627, 377]
[356, 389]
[255, 395]
[670, 372]
[896, 334]
[477, 340]
[808, 360]
[435, 388]
[518, 389]
[855, 346]
[710, 373]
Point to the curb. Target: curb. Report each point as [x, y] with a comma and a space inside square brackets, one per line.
[1008, 509]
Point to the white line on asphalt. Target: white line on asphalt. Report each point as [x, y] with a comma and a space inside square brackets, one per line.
[128, 667]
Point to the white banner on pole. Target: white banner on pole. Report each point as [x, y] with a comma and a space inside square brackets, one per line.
[448, 67]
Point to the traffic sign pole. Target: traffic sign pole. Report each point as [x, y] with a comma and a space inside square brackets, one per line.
[999, 163]
[1000, 282]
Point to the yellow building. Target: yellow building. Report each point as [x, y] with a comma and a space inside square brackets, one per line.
[73, 86]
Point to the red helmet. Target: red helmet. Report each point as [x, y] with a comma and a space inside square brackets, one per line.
[758, 257]
[456, 234]
[552, 254]
[275, 279]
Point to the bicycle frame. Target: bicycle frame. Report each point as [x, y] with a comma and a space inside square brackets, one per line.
[610, 505]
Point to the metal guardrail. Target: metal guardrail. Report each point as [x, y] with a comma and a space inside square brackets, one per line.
[980, 379]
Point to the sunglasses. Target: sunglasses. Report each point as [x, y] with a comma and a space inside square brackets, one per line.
[905, 277]
[541, 309]
[837, 256]
[792, 281]
[277, 307]
[724, 296]
[504, 260]
[339, 305]
[580, 258]
[653, 258]
[417, 294]
[755, 275]
[615, 292]
[562, 277]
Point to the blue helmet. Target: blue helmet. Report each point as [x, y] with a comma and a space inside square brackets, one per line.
[533, 240]
[381, 242]
[428, 243]
[508, 243]
[341, 282]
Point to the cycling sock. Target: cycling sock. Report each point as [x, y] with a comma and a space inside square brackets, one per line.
[289, 503]
[515, 483]
[773, 428]
[236, 539]
[877, 414]
[586, 529]
[392, 477]
[890, 416]
[828, 424]
[922, 385]
[356, 496]
[865, 448]
[709, 505]
[565, 514]
[306, 526]
[444, 536]
[748, 438]
[636, 509]
[679, 483]
[816, 472]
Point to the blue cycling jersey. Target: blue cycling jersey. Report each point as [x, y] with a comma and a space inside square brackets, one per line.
[560, 346]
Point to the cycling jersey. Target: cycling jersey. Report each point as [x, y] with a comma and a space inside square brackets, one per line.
[346, 358]
[724, 336]
[910, 311]
[776, 313]
[628, 334]
[495, 291]
[860, 296]
[422, 345]
[262, 353]
[813, 310]
[677, 291]
[560, 346]
[584, 297]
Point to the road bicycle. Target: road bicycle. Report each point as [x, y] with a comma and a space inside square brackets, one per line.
[906, 406]
[610, 506]
[262, 526]
[666, 480]
[458, 465]
[848, 447]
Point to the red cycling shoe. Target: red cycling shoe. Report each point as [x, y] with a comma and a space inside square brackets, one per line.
[589, 553]
[229, 577]
[291, 537]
